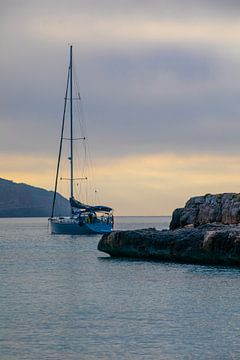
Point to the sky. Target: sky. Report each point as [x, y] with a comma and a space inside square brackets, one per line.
[160, 82]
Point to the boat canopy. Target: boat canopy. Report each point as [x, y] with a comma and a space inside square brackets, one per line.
[83, 207]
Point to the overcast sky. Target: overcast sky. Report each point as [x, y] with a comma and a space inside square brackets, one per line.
[160, 82]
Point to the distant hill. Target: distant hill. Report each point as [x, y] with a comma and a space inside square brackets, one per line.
[21, 200]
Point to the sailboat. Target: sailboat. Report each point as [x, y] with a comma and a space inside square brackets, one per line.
[83, 218]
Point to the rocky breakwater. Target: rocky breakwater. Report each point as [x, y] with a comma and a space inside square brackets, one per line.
[205, 231]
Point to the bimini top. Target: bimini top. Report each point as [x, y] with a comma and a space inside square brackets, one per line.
[83, 207]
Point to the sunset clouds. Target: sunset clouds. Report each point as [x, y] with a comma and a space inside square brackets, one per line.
[139, 185]
[161, 90]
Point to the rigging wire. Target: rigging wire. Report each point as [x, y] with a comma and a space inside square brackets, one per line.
[87, 154]
[60, 145]
[83, 160]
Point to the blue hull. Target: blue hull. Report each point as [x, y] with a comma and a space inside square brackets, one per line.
[76, 229]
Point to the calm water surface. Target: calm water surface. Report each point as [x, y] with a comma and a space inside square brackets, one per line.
[62, 299]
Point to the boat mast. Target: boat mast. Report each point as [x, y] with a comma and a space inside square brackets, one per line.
[60, 147]
[71, 126]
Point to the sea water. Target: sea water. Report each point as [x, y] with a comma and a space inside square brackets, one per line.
[62, 299]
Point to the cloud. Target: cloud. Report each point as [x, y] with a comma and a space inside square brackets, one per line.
[109, 24]
[171, 98]
[27, 168]
[93, 30]
[137, 185]
[156, 78]
[136, 8]
[156, 184]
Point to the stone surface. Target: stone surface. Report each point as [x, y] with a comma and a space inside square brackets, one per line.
[205, 231]
[207, 244]
[200, 210]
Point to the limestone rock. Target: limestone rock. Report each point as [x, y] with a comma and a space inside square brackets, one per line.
[200, 210]
[205, 231]
[207, 244]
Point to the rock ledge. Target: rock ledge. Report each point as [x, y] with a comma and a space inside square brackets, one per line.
[209, 244]
[193, 237]
[200, 210]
